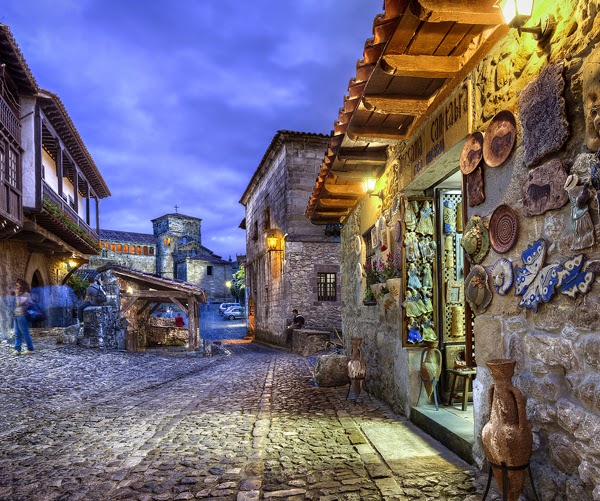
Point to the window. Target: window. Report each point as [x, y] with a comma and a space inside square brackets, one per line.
[2, 160]
[120, 248]
[326, 287]
[139, 249]
[152, 251]
[132, 249]
[113, 247]
[369, 249]
[145, 250]
[267, 218]
[255, 232]
[12, 168]
[209, 270]
[167, 241]
[126, 249]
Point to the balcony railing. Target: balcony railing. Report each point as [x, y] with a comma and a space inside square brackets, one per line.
[53, 197]
[9, 120]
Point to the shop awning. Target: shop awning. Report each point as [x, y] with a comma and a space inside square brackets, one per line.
[420, 52]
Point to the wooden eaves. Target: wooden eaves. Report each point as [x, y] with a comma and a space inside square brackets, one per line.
[420, 52]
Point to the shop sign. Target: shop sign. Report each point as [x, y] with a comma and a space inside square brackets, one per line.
[448, 125]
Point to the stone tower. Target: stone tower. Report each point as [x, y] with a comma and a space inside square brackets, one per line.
[171, 232]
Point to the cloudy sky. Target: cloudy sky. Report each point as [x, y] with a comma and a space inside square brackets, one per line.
[177, 101]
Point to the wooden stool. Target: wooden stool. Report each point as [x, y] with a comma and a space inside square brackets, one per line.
[467, 375]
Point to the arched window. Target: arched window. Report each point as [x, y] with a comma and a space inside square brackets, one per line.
[132, 249]
[113, 247]
[152, 251]
[167, 241]
[126, 249]
[139, 249]
[120, 248]
[145, 250]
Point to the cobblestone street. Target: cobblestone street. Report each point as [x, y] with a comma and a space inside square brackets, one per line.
[243, 424]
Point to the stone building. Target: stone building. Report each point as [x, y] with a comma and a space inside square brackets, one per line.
[430, 79]
[49, 189]
[290, 263]
[174, 251]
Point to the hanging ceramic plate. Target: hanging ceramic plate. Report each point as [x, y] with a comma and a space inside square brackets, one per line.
[374, 239]
[359, 271]
[500, 137]
[502, 276]
[357, 244]
[503, 229]
[472, 153]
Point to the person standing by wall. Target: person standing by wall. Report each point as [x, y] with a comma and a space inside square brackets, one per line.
[22, 298]
[91, 298]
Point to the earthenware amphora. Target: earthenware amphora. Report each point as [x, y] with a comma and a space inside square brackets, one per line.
[507, 437]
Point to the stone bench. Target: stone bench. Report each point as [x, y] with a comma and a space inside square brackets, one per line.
[305, 342]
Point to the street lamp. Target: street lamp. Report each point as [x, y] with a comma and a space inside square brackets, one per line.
[369, 187]
[517, 12]
[273, 241]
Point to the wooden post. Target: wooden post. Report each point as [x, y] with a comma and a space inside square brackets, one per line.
[191, 323]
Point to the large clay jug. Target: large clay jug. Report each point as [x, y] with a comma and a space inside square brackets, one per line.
[431, 366]
[507, 437]
[357, 368]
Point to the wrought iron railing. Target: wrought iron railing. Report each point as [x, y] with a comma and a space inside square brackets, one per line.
[9, 120]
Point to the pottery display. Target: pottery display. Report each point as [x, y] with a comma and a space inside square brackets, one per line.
[581, 221]
[507, 438]
[431, 366]
[477, 289]
[357, 368]
[503, 229]
[500, 138]
[472, 153]
[476, 240]
[502, 276]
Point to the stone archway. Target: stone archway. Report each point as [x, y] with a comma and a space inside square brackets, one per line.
[37, 267]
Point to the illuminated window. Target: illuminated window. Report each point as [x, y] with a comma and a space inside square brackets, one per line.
[326, 287]
[167, 241]
[120, 248]
[139, 249]
[152, 251]
[113, 247]
[126, 249]
[145, 250]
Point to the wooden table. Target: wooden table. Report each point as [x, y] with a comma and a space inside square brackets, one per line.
[467, 376]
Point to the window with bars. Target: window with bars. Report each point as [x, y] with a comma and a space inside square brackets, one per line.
[2, 161]
[326, 287]
[369, 248]
[12, 168]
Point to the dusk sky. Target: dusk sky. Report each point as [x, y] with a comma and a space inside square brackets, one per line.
[177, 101]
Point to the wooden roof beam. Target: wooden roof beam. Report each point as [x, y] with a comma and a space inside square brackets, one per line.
[351, 189]
[376, 156]
[337, 203]
[355, 132]
[408, 65]
[396, 105]
[481, 12]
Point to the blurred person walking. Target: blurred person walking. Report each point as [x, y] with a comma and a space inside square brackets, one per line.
[22, 294]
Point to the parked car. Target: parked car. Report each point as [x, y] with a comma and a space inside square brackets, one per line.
[225, 306]
[234, 312]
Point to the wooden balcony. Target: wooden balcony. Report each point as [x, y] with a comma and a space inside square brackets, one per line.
[60, 219]
[10, 121]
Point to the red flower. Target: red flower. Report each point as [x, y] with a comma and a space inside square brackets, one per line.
[383, 248]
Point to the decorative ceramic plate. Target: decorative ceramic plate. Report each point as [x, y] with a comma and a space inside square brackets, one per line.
[500, 138]
[374, 239]
[357, 244]
[359, 271]
[503, 229]
[502, 276]
[472, 153]
[381, 230]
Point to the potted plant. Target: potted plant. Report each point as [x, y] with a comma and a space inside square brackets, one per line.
[372, 278]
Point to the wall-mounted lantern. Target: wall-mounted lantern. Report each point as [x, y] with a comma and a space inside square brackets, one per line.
[369, 187]
[517, 12]
[273, 241]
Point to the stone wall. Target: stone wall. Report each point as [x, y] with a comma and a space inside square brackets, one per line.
[557, 349]
[214, 284]
[281, 280]
[146, 264]
[12, 266]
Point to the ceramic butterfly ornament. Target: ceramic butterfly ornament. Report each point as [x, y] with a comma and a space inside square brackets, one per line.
[535, 282]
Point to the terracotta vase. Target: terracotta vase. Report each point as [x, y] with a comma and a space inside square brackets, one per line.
[507, 437]
[357, 368]
[431, 365]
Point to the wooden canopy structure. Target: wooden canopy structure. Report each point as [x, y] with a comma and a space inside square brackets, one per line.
[420, 52]
[150, 291]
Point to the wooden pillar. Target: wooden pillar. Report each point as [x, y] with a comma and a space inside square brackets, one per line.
[191, 323]
[76, 190]
[59, 166]
[87, 203]
[37, 138]
[97, 216]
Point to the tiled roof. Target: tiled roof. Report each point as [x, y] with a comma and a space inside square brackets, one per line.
[204, 254]
[15, 61]
[127, 236]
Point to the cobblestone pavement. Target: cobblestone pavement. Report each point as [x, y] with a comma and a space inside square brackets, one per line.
[216, 328]
[244, 424]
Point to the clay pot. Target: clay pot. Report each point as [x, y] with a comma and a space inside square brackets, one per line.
[431, 365]
[507, 437]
